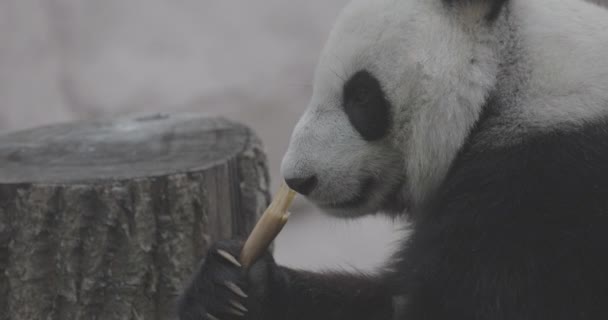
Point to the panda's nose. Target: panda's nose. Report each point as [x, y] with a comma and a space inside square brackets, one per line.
[303, 186]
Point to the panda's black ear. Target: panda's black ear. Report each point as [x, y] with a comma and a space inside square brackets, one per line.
[491, 8]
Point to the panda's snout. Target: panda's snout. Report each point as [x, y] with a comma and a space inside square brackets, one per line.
[302, 185]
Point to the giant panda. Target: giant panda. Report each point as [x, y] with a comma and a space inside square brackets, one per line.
[485, 122]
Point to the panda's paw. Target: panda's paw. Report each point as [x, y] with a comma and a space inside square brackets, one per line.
[223, 290]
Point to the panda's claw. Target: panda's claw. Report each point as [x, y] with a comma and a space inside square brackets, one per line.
[238, 306]
[235, 312]
[236, 289]
[228, 257]
[211, 317]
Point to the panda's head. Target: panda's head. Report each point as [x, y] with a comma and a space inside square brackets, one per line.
[398, 87]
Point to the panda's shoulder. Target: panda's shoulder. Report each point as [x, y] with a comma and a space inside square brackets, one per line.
[562, 69]
[557, 169]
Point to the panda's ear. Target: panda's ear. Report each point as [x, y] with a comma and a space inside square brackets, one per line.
[489, 9]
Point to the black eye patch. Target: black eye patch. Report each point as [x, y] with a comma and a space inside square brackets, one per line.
[366, 106]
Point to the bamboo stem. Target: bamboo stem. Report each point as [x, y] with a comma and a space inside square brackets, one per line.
[268, 228]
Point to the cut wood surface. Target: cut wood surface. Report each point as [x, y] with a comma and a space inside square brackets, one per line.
[108, 219]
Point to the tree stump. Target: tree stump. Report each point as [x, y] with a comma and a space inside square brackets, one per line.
[108, 219]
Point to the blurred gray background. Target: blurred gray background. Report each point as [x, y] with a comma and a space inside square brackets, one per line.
[251, 61]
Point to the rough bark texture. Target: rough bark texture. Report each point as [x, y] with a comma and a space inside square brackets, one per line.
[107, 220]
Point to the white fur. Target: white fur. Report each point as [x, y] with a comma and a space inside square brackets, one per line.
[437, 67]
[567, 44]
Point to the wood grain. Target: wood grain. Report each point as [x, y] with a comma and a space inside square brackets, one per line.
[108, 219]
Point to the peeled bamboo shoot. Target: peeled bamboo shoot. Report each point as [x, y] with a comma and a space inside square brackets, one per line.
[267, 229]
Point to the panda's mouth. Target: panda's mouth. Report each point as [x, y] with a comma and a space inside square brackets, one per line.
[391, 201]
[358, 200]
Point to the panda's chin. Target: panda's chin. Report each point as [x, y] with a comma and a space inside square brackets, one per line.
[353, 209]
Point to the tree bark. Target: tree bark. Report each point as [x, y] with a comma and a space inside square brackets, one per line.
[108, 219]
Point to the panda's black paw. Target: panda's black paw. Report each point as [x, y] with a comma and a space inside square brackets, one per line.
[223, 290]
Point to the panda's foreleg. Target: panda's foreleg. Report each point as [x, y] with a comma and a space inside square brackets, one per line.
[223, 290]
[335, 296]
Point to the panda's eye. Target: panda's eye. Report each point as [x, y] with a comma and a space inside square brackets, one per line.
[366, 106]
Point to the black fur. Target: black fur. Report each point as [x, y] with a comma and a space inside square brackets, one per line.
[366, 106]
[495, 6]
[277, 293]
[515, 232]
[208, 296]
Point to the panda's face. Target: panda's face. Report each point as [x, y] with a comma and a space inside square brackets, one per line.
[342, 156]
[361, 146]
